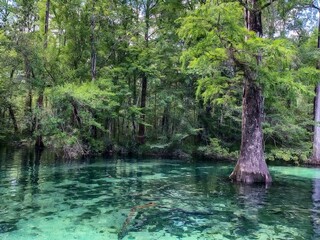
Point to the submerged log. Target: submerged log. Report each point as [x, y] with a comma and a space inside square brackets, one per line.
[130, 218]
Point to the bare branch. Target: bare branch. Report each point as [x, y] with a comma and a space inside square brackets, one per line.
[267, 4]
[153, 5]
[314, 6]
[243, 4]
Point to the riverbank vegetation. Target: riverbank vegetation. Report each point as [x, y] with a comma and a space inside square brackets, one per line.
[157, 77]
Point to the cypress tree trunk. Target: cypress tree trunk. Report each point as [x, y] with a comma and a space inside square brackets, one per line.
[315, 159]
[251, 166]
[316, 137]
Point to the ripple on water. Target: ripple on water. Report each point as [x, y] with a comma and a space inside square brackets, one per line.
[153, 199]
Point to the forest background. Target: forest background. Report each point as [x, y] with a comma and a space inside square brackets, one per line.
[148, 77]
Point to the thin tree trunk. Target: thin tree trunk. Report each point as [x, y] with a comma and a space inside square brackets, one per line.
[13, 118]
[28, 108]
[76, 120]
[114, 128]
[119, 129]
[39, 139]
[133, 117]
[28, 103]
[93, 55]
[94, 129]
[251, 166]
[46, 24]
[93, 44]
[155, 127]
[10, 108]
[165, 120]
[141, 130]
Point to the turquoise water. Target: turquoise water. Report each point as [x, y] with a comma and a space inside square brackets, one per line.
[47, 198]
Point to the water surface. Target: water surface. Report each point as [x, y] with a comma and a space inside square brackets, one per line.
[46, 198]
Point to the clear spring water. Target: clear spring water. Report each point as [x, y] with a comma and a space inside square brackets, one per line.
[44, 198]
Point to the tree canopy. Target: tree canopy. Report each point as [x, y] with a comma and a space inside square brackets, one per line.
[156, 77]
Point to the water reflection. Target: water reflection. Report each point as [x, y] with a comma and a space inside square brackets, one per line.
[146, 199]
[251, 199]
[315, 215]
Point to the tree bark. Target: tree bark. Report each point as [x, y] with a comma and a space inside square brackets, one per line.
[316, 138]
[251, 166]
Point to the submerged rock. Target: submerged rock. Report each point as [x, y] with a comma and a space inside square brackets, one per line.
[181, 155]
[7, 227]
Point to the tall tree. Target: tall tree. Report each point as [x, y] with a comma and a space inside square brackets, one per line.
[146, 8]
[315, 159]
[39, 138]
[224, 50]
[251, 166]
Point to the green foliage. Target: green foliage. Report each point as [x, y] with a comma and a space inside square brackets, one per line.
[216, 150]
[216, 43]
[207, 32]
[76, 112]
[296, 156]
[198, 105]
[219, 49]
